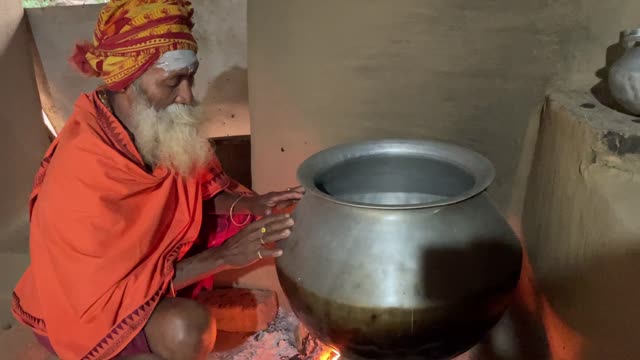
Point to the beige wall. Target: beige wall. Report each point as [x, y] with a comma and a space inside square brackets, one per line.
[475, 73]
[23, 139]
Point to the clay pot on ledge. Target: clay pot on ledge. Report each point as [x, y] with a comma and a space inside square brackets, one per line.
[624, 74]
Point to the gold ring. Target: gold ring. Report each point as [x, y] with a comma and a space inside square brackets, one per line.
[259, 255]
[263, 229]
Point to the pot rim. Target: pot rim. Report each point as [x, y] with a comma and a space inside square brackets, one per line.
[472, 162]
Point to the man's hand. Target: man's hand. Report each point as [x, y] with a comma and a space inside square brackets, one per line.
[262, 205]
[252, 242]
[246, 247]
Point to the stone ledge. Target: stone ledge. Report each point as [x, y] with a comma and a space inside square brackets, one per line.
[586, 108]
[581, 226]
[618, 133]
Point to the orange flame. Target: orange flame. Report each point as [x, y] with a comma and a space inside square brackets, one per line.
[564, 342]
[329, 354]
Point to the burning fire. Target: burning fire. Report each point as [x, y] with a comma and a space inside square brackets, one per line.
[329, 354]
[312, 348]
[564, 342]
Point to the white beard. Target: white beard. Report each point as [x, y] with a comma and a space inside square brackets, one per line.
[170, 137]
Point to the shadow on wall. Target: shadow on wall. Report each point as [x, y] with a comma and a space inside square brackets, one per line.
[230, 87]
[600, 300]
[226, 104]
[23, 140]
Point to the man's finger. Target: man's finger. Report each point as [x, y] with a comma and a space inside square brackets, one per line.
[271, 253]
[270, 227]
[284, 196]
[266, 220]
[285, 204]
[277, 226]
[269, 237]
[276, 236]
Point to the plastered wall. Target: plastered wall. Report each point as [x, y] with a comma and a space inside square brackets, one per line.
[23, 139]
[474, 73]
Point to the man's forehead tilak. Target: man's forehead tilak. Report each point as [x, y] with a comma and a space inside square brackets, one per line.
[178, 60]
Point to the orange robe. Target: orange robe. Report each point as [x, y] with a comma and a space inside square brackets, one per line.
[105, 235]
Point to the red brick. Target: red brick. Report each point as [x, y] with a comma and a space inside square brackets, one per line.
[241, 310]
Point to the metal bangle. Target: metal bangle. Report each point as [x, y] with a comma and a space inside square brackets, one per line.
[231, 213]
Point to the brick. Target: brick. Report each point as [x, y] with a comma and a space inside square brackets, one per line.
[241, 310]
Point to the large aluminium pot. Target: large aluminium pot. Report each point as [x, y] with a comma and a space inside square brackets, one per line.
[397, 251]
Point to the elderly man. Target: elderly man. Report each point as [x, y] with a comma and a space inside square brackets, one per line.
[130, 205]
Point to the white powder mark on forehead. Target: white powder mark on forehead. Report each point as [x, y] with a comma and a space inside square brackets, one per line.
[177, 60]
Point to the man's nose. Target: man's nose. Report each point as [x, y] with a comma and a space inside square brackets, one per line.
[185, 94]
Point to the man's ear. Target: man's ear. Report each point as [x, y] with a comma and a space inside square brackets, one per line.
[129, 90]
[129, 93]
[122, 100]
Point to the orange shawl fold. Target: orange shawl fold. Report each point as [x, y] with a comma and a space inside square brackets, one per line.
[105, 235]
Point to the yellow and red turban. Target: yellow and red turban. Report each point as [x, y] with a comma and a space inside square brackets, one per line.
[131, 35]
